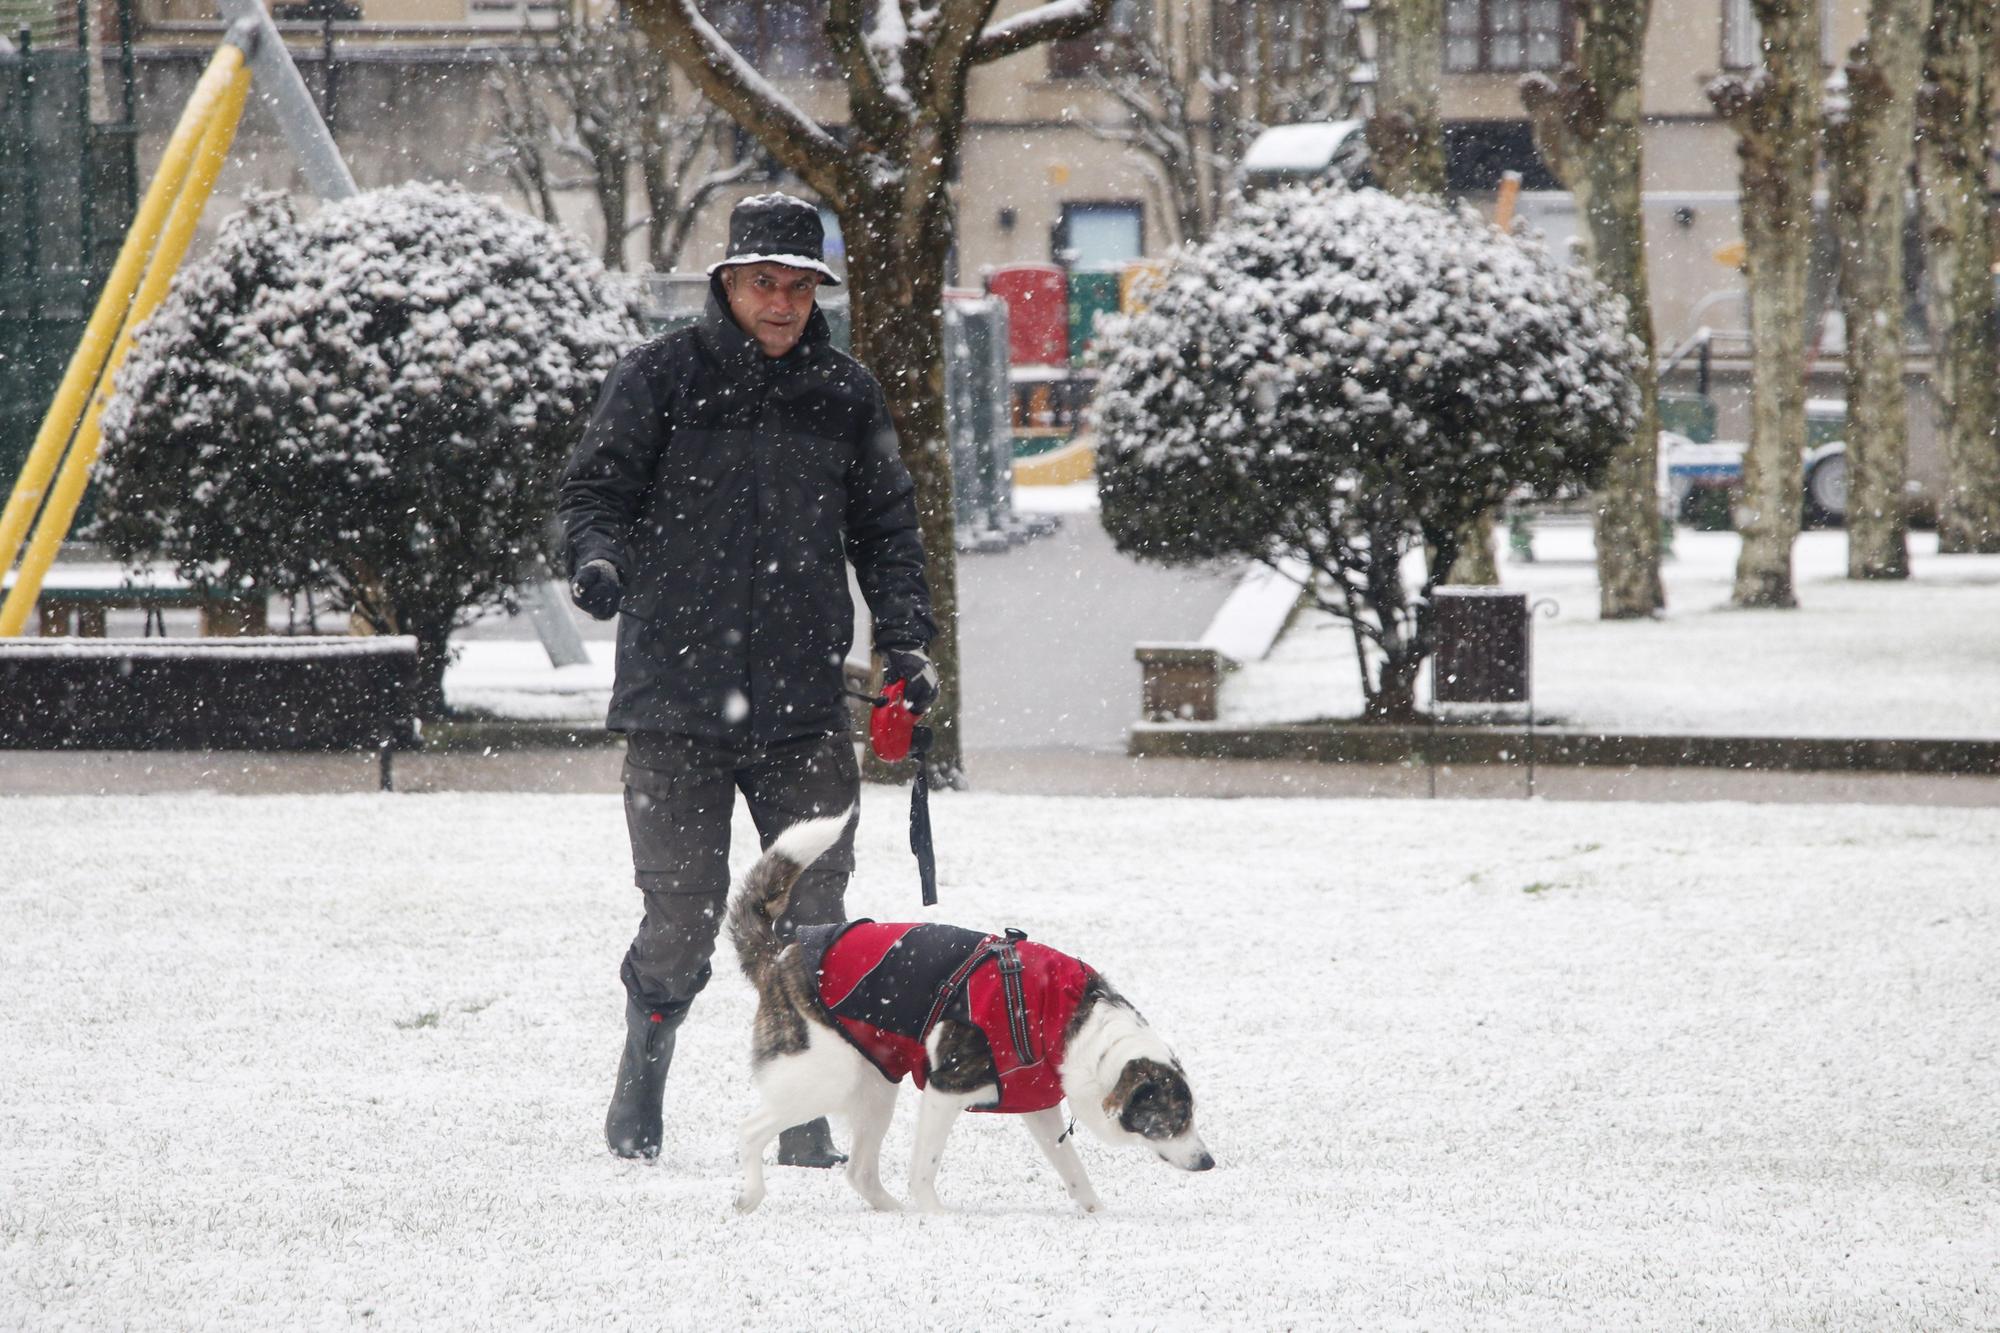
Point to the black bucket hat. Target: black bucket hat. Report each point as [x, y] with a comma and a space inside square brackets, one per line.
[777, 229]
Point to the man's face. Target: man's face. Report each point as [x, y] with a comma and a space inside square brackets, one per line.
[771, 302]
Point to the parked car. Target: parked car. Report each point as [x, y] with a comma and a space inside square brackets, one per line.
[1698, 480]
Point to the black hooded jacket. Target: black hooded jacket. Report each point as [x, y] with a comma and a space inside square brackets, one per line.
[726, 487]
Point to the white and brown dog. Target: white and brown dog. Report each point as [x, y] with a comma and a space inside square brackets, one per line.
[981, 1022]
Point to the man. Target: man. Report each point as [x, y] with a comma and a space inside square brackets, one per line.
[728, 473]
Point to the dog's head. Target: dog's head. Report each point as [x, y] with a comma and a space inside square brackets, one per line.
[1152, 1103]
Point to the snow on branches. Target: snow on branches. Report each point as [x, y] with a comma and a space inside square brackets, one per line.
[371, 402]
[1338, 374]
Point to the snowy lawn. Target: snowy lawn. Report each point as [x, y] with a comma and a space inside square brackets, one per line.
[1857, 659]
[319, 1062]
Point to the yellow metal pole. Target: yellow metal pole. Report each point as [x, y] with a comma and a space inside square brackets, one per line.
[175, 237]
[87, 362]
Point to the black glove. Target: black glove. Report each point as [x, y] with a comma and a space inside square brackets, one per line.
[596, 588]
[913, 667]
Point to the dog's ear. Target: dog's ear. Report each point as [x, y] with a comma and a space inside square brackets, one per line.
[1139, 1106]
[1151, 1100]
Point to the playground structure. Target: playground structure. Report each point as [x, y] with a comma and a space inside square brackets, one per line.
[1053, 313]
[56, 472]
[45, 498]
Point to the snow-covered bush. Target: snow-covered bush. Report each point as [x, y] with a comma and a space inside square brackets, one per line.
[1340, 374]
[371, 402]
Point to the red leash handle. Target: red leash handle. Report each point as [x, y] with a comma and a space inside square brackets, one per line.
[891, 725]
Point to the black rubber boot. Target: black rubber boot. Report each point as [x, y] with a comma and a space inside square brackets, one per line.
[810, 1144]
[632, 1125]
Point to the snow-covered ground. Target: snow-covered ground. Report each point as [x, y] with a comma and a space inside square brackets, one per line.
[323, 1062]
[1915, 658]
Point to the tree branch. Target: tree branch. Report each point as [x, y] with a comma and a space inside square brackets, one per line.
[1046, 22]
[869, 97]
[677, 29]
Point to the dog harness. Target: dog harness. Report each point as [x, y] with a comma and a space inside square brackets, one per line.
[886, 985]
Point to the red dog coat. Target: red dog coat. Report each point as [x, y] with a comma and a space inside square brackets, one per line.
[887, 985]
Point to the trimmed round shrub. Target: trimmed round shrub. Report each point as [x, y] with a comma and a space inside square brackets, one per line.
[370, 402]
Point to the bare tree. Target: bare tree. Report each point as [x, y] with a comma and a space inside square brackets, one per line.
[680, 161]
[886, 176]
[1587, 126]
[1775, 110]
[1274, 62]
[1198, 82]
[1953, 142]
[1870, 124]
[1158, 81]
[526, 134]
[590, 93]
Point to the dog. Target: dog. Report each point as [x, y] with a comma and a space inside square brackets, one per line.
[1062, 1033]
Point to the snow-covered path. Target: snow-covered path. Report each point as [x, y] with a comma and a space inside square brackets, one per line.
[336, 1062]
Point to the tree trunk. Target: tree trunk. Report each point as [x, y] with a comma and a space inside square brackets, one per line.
[1587, 125]
[433, 656]
[1955, 123]
[1395, 698]
[1475, 565]
[613, 193]
[1868, 160]
[1775, 112]
[1406, 134]
[898, 311]
[1406, 151]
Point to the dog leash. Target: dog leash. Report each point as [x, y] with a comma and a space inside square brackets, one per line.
[920, 816]
[895, 734]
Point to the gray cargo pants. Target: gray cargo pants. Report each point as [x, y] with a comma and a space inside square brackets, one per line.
[679, 795]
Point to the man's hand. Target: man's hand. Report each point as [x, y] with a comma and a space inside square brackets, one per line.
[596, 588]
[913, 667]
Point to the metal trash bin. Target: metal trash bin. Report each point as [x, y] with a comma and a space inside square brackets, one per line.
[977, 417]
[1481, 646]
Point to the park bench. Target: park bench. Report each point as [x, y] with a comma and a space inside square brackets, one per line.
[75, 596]
[1181, 681]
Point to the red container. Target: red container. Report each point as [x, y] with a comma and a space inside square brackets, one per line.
[1037, 297]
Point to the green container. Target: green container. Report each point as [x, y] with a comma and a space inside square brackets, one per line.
[1093, 293]
[1689, 414]
[1826, 421]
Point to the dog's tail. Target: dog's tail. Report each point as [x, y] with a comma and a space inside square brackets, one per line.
[766, 891]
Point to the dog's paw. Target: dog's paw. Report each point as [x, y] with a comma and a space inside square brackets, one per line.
[747, 1201]
[885, 1203]
[932, 1206]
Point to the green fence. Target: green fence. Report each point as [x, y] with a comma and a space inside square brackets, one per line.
[68, 189]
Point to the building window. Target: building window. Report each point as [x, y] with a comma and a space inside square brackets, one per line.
[1743, 38]
[1499, 36]
[1100, 235]
[1477, 153]
[1274, 43]
[1104, 49]
[498, 13]
[783, 39]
